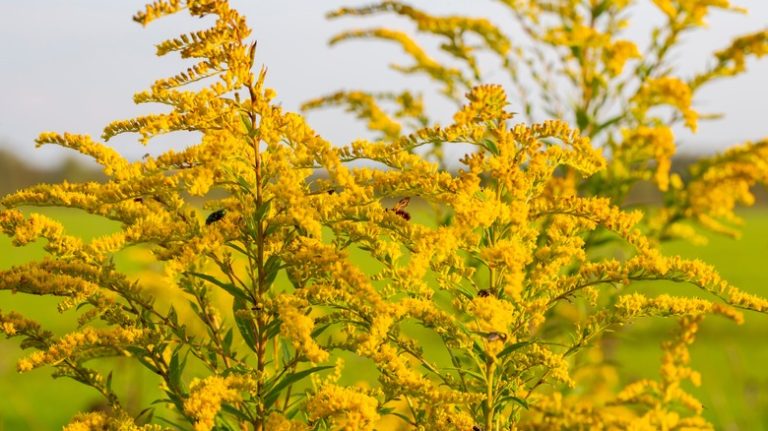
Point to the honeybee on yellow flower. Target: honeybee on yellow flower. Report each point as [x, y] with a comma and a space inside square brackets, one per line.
[399, 208]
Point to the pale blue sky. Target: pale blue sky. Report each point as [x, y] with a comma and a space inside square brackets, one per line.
[74, 66]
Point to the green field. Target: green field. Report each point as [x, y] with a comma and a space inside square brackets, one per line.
[731, 358]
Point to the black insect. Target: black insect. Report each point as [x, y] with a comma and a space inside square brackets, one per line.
[138, 200]
[215, 216]
[476, 428]
[483, 293]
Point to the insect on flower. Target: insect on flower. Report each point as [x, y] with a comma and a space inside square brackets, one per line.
[215, 216]
[483, 293]
[399, 208]
[493, 336]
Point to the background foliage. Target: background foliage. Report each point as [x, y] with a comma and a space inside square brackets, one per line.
[482, 312]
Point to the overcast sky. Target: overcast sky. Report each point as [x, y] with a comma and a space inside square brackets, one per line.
[74, 66]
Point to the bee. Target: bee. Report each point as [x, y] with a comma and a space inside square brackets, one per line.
[493, 336]
[139, 200]
[215, 216]
[399, 208]
[483, 293]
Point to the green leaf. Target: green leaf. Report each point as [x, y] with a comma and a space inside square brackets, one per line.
[228, 341]
[478, 349]
[273, 328]
[608, 123]
[235, 412]
[319, 329]
[171, 423]
[139, 354]
[228, 287]
[108, 385]
[475, 375]
[271, 267]
[511, 348]
[504, 400]
[213, 358]
[248, 127]
[244, 325]
[244, 185]
[172, 316]
[238, 248]
[582, 119]
[599, 9]
[491, 146]
[271, 228]
[149, 412]
[288, 379]
[176, 367]
[294, 282]
[262, 210]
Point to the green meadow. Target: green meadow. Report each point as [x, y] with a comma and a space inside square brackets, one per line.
[731, 358]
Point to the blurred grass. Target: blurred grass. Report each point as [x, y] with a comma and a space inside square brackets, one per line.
[730, 357]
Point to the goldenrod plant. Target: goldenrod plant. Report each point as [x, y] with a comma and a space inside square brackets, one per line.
[574, 60]
[301, 260]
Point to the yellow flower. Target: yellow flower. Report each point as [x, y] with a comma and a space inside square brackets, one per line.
[666, 90]
[298, 327]
[486, 103]
[656, 142]
[82, 343]
[206, 397]
[616, 55]
[348, 409]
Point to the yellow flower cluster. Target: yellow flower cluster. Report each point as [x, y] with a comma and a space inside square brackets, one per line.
[755, 44]
[578, 35]
[348, 409]
[453, 29]
[423, 62]
[26, 230]
[616, 55]
[492, 315]
[73, 281]
[86, 343]
[206, 397]
[116, 419]
[661, 398]
[666, 91]
[297, 327]
[13, 324]
[365, 106]
[656, 142]
[486, 103]
[717, 185]
[476, 319]
[586, 43]
[277, 422]
[690, 12]
[636, 304]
